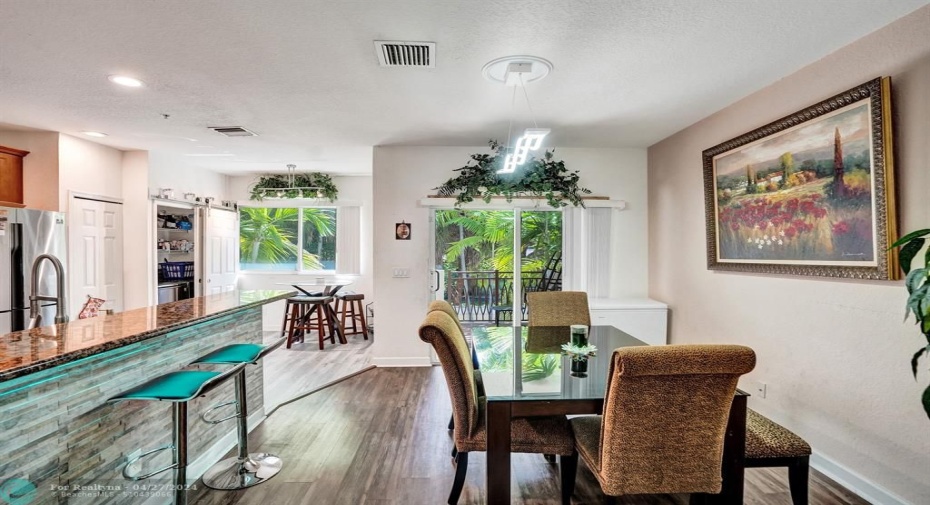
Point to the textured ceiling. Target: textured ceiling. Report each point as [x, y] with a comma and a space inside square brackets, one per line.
[304, 76]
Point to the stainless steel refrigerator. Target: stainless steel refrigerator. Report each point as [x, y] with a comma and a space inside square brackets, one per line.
[26, 234]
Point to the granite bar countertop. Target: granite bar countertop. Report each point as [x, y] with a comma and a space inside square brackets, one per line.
[30, 351]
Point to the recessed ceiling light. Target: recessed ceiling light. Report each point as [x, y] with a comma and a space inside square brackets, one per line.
[94, 134]
[124, 80]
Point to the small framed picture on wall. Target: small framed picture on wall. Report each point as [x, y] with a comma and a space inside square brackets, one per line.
[402, 231]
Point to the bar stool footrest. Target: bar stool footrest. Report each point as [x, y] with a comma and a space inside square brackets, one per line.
[132, 461]
[204, 416]
[235, 473]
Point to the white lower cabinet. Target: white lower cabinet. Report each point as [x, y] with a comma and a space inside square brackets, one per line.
[642, 318]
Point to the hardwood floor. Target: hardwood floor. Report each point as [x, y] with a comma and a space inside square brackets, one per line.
[380, 438]
[290, 373]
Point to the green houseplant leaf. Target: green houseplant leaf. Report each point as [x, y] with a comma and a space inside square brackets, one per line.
[542, 178]
[917, 283]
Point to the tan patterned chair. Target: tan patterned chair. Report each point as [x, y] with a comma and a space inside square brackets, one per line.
[444, 306]
[545, 435]
[665, 417]
[557, 308]
[770, 444]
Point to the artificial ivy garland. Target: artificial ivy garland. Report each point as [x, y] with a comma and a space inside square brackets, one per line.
[544, 177]
[326, 187]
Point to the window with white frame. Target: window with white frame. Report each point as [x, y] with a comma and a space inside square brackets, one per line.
[287, 239]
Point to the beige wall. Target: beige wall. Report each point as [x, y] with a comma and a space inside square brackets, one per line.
[405, 175]
[834, 353]
[88, 167]
[40, 166]
[138, 232]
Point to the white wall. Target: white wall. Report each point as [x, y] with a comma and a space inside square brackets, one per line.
[88, 167]
[834, 353]
[176, 172]
[354, 190]
[138, 232]
[405, 175]
[40, 166]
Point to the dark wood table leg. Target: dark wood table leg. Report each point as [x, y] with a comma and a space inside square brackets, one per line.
[498, 466]
[734, 454]
[333, 324]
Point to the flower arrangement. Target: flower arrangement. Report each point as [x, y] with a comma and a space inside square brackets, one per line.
[579, 352]
[544, 178]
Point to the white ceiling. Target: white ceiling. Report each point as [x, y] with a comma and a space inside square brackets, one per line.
[304, 76]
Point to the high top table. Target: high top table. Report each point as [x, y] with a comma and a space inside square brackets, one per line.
[514, 373]
[328, 287]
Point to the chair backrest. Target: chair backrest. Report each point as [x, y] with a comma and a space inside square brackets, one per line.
[665, 415]
[442, 332]
[557, 308]
[446, 307]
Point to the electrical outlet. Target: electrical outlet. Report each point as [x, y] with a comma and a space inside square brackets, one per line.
[401, 272]
[758, 389]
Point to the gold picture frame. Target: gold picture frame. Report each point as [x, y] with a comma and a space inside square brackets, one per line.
[809, 194]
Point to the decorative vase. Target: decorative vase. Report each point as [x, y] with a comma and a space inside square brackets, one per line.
[580, 367]
[579, 334]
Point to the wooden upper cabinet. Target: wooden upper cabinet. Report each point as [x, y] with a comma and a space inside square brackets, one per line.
[11, 176]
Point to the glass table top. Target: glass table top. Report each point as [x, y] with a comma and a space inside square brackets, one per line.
[527, 364]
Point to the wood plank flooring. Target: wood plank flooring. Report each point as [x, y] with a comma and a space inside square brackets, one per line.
[290, 373]
[380, 438]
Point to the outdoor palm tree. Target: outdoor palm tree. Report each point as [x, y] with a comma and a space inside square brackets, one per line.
[269, 235]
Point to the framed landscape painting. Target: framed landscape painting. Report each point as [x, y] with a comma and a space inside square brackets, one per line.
[809, 194]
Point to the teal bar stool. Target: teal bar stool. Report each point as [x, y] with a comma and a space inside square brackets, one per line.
[178, 388]
[244, 470]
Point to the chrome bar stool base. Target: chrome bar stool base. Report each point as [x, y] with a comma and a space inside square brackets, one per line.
[233, 473]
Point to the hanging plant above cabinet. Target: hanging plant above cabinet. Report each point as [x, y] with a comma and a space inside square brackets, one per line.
[308, 185]
[541, 178]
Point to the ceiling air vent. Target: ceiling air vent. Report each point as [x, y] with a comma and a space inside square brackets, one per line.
[233, 131]
[396, 53]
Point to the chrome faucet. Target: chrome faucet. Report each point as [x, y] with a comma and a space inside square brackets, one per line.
[60, 298]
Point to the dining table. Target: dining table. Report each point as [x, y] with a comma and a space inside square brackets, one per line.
[322, 287]
[525, 375]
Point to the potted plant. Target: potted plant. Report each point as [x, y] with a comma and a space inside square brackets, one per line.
[917, 281]
[579, 355]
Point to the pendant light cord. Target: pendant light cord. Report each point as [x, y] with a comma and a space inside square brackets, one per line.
[528, 106]
[513, 108]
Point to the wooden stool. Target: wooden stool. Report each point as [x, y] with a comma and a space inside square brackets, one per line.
[351, 309]
[770, 444]
[307, 313]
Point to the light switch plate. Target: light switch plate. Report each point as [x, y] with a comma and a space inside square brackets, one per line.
[401, 273]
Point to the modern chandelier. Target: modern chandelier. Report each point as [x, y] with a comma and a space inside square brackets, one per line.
[517, 71]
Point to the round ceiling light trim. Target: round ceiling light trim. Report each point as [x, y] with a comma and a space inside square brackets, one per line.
[125, 80]
[496, 70]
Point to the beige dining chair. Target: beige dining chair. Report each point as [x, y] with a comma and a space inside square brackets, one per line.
[557, 308]
[542, 435]
[665, 416]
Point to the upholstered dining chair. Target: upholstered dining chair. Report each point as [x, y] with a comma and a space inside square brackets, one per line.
[444, 306]
[544, 435]
[557, 308]
[665, 417]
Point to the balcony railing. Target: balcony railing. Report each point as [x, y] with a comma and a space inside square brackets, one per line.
[486, 295]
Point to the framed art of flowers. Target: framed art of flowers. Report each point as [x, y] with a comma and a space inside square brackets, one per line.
[809, 194]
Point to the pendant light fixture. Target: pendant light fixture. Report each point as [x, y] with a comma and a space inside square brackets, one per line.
[517, 71]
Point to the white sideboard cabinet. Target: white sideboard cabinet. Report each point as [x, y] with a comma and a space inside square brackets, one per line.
[643, 318]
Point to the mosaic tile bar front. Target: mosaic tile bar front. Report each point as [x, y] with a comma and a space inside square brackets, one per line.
[59, 436]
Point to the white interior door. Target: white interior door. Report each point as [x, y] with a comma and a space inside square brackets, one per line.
[220, 250]
[96, 253]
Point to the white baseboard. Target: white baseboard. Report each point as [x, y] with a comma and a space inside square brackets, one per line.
[401, 362]
[854, 482]
[199, 466]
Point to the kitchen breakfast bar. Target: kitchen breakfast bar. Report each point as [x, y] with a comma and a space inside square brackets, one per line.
[61, 441]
